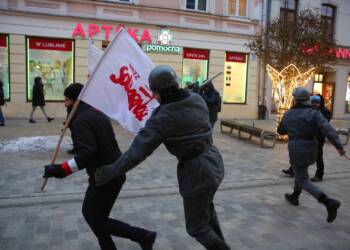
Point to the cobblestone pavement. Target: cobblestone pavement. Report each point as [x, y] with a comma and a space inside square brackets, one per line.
[250, 202]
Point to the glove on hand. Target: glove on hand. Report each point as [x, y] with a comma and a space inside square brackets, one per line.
[54, 170]
[104, 174]
[60, 170]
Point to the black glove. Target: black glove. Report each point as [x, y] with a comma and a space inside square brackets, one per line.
[54, 170]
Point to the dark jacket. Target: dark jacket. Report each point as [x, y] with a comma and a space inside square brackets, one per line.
[326, 114]
[2, 96]
[184, 128]
[302, 124]
[94, 139]
[213, 101]
[38, 94]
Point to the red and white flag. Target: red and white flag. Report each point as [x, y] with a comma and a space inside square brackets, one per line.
[119, 86]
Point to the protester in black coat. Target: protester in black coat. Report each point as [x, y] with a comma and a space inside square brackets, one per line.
[2, 103]
[38, 99]
[95, 145]
[213, 101]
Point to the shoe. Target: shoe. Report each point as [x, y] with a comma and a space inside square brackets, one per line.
[49, 119]
[292, 199]
[2, 124]
[332, 206]
[32, 121]
[316, 179]
[149, 241]
[288, 172]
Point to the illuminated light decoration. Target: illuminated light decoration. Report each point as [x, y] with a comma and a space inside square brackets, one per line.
[283, 83]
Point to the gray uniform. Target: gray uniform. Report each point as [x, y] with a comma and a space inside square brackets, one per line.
[302, 126]
[184, 128]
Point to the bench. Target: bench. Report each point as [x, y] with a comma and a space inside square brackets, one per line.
[251, 130]
[344, 132]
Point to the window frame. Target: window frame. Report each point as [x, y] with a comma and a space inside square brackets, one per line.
[26, 64]
[196, 6]
[247, 55]
[284, 10]
[9, 65]
[237, 9]
[332, 18]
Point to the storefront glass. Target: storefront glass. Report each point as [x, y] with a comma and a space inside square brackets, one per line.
[235, 78]
[195, 66]
[4, 65]
[347, 97]
[53, 61]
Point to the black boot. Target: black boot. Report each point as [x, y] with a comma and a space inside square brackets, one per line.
[288, 171]
[332, 206]
[147, 243]
[49, 119]
[293, 198]
[316, 178]
[219, 245]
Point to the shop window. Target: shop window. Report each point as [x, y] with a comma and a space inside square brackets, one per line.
[237, 8]
[200, 5]
[288, 10]
[4, 65]
[195, 66]
[347, 98]
[328, 19]
[53, 61]
[235, 78]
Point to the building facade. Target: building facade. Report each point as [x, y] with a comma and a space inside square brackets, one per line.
[198, 38]
[334, 81]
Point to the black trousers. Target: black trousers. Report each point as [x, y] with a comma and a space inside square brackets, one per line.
[202, 222]
[319, 160]
[98, 203]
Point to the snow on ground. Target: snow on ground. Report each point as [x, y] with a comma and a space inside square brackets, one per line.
[36, 143]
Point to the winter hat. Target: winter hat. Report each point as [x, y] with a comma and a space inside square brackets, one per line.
[73, 91]
[315, 98]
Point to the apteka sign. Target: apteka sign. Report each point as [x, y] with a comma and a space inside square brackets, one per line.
[139, 35]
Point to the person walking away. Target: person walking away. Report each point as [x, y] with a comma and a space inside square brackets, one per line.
[301, 123]
[2, 103]
[213, 101]
[96, 145]
[38, 99]
[181, 122]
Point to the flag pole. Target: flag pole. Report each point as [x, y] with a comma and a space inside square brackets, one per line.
[75, 106]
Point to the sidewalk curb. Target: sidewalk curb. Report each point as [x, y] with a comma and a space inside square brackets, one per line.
[48, 199]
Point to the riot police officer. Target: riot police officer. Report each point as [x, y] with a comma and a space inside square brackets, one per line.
[181, 122]
[302, 123]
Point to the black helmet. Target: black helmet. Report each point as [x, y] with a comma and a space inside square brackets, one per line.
[301, 94]
[162, 77]
[73, 91]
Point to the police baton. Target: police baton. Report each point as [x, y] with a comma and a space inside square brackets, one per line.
[209, 80]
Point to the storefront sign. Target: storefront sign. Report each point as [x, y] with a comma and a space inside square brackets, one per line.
[235, 57]
[140, 36]
[342, 53]
[196, 54]
[155, 48]
[165, 37]
[50, 44]
[3, 42]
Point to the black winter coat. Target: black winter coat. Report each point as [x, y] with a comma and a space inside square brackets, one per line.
[94, 139]
[38, 95]
[213, 101]
[2, 96]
